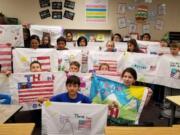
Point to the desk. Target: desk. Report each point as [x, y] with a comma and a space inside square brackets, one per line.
[175, 100]
[175, 130]
[16, 129]
[7, 111]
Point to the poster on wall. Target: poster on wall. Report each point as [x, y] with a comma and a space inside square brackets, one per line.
[132, 28]
[146, 28]
[44, 14]
[57, 5]
[159, 24]
[122, 8]
[122, 22]
[69, 4]
[162, 9]
[44, 3]
[152, 15]
[69, 15]
[56, 14]
[96, 11]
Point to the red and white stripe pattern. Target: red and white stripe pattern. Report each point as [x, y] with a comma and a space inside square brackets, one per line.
[109, 73]
[5, 57]
[45, 62]
[33, 90]
[85, 123]
[112, 65]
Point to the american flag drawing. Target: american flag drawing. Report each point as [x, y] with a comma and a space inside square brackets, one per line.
[112, 65]
[85, 123]
[45, 62]
[30, 91]
[5, 57]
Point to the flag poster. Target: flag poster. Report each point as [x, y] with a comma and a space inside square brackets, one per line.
[96, 11]
[23, 58]
[29, 87]
[124, 104]
[5, 57]
[73, 119]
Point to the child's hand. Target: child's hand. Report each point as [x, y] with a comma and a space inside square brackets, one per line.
[7, 72]
[160, 54]
[149, 94]
[41, 99]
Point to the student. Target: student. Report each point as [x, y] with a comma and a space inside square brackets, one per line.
[74, 67]
[82, 41]
[2, 19]
[35, 66]
[110, 46]
[174, 49]
[61, 43]
[163, 43]
[7, 72]
[46, 42]
[92, 38]
[104, 67]
[69, 37]
[146, 37]
[72, 95]
[133, 46]
[116, 37]
[26, 35]
[129, 77]
[35, 41]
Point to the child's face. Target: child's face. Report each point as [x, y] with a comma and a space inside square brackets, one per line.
[61, 45]
[128, 79]
[35, 67]
[46, 40]
[104, 68]
[174, 51]
[25, 35]
[82, 42]
[163, 44]
[34, 44]
[146, 38]
[131, 47]
[116, 38]
[110, 46]
[73, 68]
[92, 39]
[69, 37]
[72, 89]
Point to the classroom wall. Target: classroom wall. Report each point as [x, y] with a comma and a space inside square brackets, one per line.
[27, 11]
